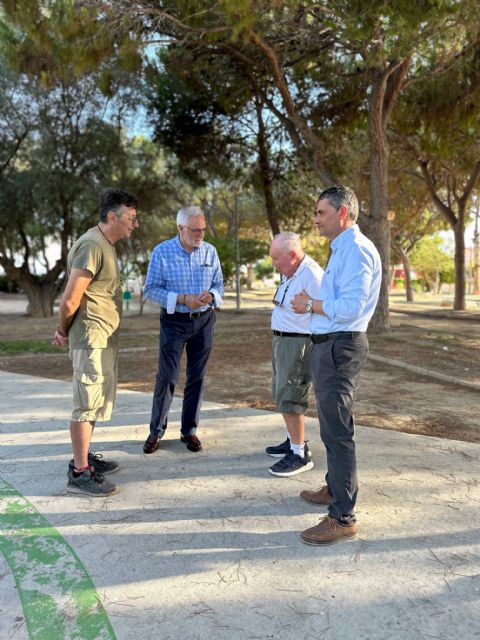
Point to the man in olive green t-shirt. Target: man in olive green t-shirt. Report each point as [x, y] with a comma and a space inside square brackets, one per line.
[88, 321]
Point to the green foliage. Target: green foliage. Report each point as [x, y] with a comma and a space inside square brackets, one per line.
[61, 40]
[250, 251]
[264, 269]
[65, 145]
[447, 274]
[315, 66]
[430, 258]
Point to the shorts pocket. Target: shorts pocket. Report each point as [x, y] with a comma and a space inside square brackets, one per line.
[88, 392]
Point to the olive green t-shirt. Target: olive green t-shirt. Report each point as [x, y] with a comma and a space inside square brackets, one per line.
[97, 320]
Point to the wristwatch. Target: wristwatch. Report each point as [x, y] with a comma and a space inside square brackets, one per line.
[309, 306]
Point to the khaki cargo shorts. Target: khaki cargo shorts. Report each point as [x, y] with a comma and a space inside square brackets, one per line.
[291, 380]
[94, 383]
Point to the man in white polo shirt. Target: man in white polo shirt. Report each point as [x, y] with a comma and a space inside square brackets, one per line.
[291, 351]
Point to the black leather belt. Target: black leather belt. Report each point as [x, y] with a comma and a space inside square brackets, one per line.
[191, 314]
[285, 334]
[323, 337]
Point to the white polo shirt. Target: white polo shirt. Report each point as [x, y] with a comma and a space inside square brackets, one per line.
[308, 276]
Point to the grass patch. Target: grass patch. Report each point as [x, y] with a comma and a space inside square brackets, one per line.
[18, 347]
[138, 340]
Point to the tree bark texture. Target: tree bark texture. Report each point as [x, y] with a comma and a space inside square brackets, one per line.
[377, 219]
[408, 279]
[460, 288]
[266, 172]
[41, 291]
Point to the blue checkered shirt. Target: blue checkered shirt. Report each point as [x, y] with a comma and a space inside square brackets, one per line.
[173, 271]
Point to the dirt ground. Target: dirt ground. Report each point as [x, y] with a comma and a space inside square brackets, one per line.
[389, 397]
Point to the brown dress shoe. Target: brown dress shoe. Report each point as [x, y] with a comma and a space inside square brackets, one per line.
[320, 497]
[329, 531]
[151, 444]
[192, 442]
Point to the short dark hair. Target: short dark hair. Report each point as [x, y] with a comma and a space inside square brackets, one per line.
[113, 199]
[339, 196]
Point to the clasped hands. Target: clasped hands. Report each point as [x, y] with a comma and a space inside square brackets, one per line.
[196, 302]
[299, 302]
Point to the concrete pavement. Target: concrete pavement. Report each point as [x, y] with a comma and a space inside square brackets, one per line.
[205, 546]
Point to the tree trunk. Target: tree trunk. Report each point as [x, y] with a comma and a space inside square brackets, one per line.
[378, 224]
[459, 296]
[41, 297]
[141, 302]
[408, 279]
[41, 291]
[249, 276]
[266, 172]
[438, 283]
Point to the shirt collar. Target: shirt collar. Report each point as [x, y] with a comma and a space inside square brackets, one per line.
[302, 264]
[343, 237]
[180, 246]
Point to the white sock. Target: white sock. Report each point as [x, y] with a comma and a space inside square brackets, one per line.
[298, 449]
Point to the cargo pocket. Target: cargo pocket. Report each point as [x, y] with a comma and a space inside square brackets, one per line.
[88, 392]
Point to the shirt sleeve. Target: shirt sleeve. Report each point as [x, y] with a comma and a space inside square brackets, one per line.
[89, 256]
[312, 281]
[155, 285]
[353, 287]
[217, 287]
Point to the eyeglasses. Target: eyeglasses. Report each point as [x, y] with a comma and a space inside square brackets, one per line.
[276, 302]
[197, 231]
[132, 219]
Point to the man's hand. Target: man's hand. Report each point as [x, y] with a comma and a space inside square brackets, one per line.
[205, 297]
[193, 302]
[299, 302]
[59, 340]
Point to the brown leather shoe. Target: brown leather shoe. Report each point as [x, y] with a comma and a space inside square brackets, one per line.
[192, 442]
[151, 444]
[329, 531]
[320, 497]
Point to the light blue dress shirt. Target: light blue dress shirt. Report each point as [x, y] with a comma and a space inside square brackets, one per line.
[350, 285]
[173, 271]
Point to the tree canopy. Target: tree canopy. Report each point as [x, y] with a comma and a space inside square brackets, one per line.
[325, 90]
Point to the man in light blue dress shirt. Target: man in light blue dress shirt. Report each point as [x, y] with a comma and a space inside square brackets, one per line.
[348, 296]
[185, 278]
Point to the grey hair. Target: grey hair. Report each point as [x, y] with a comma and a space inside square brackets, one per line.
[184, 214]
[288, 241]
[342, 197]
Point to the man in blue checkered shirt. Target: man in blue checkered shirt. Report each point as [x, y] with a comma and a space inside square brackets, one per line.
[185, 278]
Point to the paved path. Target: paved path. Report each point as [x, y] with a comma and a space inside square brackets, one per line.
[205, 546]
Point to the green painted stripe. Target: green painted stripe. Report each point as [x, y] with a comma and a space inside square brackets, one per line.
[58, 596]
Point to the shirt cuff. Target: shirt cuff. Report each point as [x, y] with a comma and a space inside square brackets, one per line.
[217, 298]
[171, 301]
[327, 306]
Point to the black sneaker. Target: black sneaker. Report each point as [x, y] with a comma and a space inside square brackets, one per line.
[291, 465]
[283, 449]
[90, 484]
[100, 466]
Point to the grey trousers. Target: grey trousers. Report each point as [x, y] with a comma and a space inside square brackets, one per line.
[335, 368]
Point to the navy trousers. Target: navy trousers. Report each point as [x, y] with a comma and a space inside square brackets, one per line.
[179, 331]
[335, 367]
